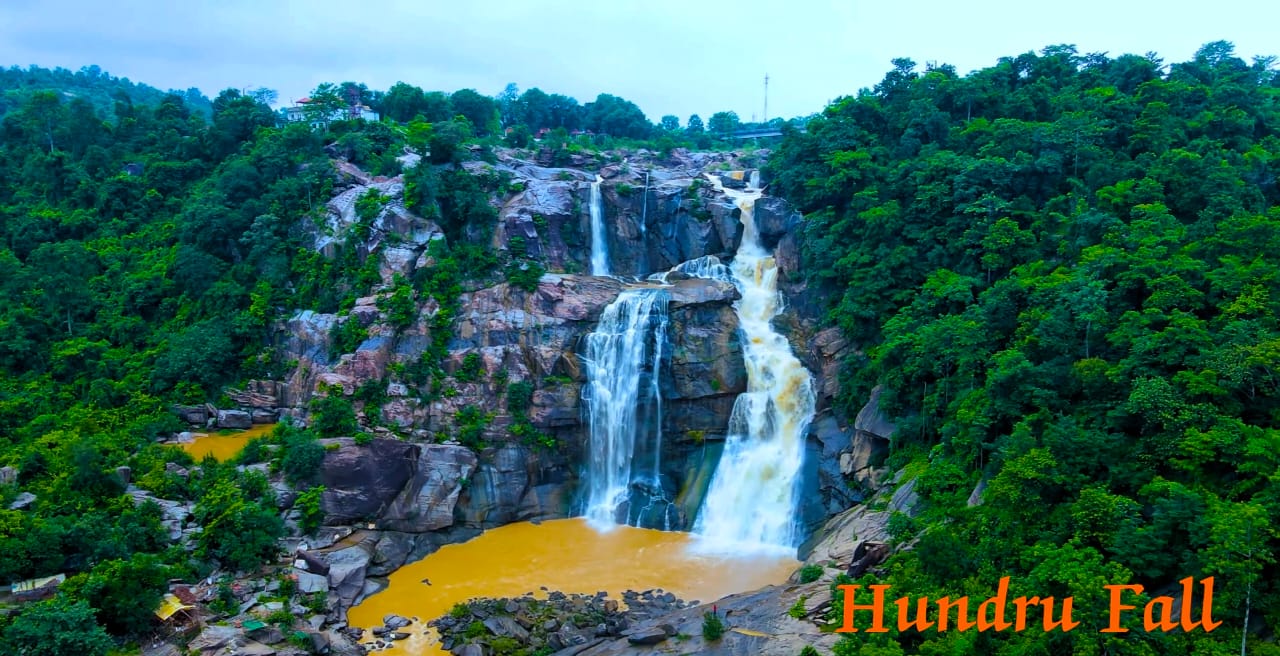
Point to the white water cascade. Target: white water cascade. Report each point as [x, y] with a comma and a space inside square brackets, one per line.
[599, 245]
[623, 358]
[753, 499]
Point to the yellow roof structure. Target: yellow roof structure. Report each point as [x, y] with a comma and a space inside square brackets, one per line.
[169, 605]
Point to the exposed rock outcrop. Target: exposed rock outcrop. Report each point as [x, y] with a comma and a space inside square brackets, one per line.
[361, 481]
[561, 623]
[838, 541]
[757, 623]
[428, 499]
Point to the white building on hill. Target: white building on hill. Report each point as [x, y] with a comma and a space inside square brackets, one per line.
[302, 112]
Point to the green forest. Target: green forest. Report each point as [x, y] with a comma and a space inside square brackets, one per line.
[1062, 269]
[148, 240]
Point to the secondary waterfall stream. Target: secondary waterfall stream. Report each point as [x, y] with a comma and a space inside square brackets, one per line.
[623, 359]
[754, 495]
[599, 245]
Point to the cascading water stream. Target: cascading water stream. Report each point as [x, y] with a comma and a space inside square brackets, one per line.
[754, 495]
[623, 358]
[599, 244]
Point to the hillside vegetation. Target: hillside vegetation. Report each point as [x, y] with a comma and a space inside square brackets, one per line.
[148, 243]
[1063, 270]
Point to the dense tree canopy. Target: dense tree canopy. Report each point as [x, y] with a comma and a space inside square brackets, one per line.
[1063, 270]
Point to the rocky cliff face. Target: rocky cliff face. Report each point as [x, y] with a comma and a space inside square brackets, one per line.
[659, 212]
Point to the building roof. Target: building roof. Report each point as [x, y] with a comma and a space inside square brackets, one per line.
[170, 605]
[31, 585]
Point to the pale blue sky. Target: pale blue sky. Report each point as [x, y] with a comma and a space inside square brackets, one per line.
[668, 56]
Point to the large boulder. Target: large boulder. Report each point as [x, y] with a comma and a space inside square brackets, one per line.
[234, 419]
[838, 541]
[192, 414]
[760, 621]
[833, 440]
[706, 354]
[427, 501]
[391, 552]
[872, 431]
[494, 495]
[545, 216]
[362, 480]
[347, 569]
[697, 291]
[774, 219]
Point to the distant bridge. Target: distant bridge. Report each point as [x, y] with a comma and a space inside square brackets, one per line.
[759, 133]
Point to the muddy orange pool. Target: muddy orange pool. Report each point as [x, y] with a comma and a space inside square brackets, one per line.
[567, 555]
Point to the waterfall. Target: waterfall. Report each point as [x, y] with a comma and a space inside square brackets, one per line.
[754, 495]
[707, 266]
[599, 246]
[623, 359]
[644, 209]
[755, 179]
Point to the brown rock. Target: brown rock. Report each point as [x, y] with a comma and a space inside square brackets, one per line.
[361, 481]
[428, 499]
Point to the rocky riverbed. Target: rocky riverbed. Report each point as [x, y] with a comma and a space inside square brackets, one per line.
[560, 622]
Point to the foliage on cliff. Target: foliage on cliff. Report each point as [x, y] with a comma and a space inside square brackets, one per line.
[144, 251]
[1063, 268]
[147, 243]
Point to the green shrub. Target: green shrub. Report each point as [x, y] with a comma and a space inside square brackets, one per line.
[470, 425]
[346, 337]
[282, 618]
[332, 415]
[500, 379]
[797, 610]
[517, 246]
[301, 641]
[808, 651]
[123, 593]
[373, 393]
[506, 646]
[239, 531]
[475, 630]
[308, 505]
[519, 397]
[303, 456]
[810, 573]
[225, 601]
[900, 526]
[400, 305]
[472, 367]
[254, 451]
[524, 275]
[316, 602]
[58, 627]
[288, 587]
[712, 626]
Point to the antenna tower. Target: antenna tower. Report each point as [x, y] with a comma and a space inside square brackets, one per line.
[766, 99]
